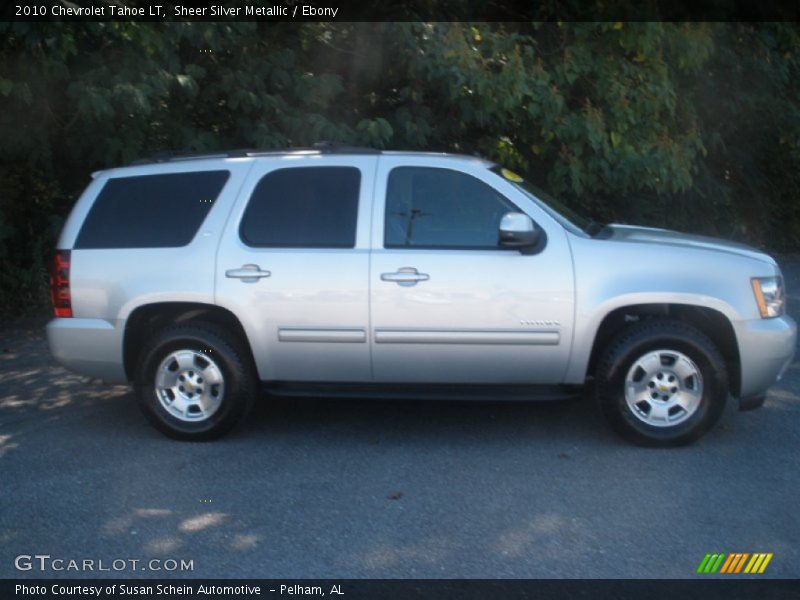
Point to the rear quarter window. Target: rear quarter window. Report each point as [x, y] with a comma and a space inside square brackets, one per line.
[150, 211]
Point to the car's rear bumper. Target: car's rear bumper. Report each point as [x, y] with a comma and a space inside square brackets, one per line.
[766, 349]
[88, 346]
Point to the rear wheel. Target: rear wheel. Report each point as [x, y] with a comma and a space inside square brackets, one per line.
[661, 383]
[193, 382]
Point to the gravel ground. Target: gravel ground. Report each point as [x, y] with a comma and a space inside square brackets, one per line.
[357, 488]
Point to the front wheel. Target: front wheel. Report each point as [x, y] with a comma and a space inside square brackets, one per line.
[194, 382]
[661, 383]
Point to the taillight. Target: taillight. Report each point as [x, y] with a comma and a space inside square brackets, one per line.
[59, 285]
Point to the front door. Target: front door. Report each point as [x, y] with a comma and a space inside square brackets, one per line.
[448, 304]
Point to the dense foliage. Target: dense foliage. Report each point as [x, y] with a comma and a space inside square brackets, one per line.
[693, 126]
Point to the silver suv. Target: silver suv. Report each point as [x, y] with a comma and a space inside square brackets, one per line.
[346, 271]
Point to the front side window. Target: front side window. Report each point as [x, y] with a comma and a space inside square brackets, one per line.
[441, 208]
[303, 207]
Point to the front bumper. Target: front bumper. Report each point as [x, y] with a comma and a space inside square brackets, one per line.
[766, 349]
[90, 347]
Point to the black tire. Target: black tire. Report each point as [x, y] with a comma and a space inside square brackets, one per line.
[633, 344]
[240, 383]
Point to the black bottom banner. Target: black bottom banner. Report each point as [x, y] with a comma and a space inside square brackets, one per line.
[412, 589]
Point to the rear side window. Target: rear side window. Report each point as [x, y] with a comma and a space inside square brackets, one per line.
[303, 207]
[150, 211]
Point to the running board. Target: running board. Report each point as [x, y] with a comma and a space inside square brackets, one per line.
[421, 391]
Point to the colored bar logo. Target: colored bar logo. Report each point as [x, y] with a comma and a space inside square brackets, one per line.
[734, 563]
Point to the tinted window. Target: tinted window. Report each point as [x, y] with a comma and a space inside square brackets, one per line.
[304, 207]
[150, 211]
[441, 208]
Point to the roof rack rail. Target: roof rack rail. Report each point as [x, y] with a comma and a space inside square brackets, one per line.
[170, 155]
[335, 148]
[321, 147]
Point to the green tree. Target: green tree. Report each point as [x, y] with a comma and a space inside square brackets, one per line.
[690, 125]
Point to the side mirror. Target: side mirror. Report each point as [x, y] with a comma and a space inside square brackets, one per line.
[517, 230]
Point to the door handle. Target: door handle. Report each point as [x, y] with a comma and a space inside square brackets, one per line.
[247, 273]
[407, 276]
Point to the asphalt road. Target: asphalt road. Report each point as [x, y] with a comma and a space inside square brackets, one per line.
[376, 489]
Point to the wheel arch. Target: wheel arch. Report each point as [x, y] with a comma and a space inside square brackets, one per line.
[146, 320]
[714, 324]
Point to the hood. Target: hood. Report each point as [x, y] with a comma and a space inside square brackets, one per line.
[666, 237]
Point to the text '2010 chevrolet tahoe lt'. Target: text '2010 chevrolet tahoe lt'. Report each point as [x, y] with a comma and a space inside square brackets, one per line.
[346, 271]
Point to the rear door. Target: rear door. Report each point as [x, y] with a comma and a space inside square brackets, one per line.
[293, 265]
[448, 304]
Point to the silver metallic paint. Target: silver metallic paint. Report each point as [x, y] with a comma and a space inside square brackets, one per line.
[330, 314]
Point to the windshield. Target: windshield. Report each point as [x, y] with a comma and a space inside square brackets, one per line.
[562, 213]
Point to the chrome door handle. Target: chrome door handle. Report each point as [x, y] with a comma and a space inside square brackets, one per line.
[406, 276]
[247, 273]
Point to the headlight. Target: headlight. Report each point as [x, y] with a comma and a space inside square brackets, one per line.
[769, 296]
